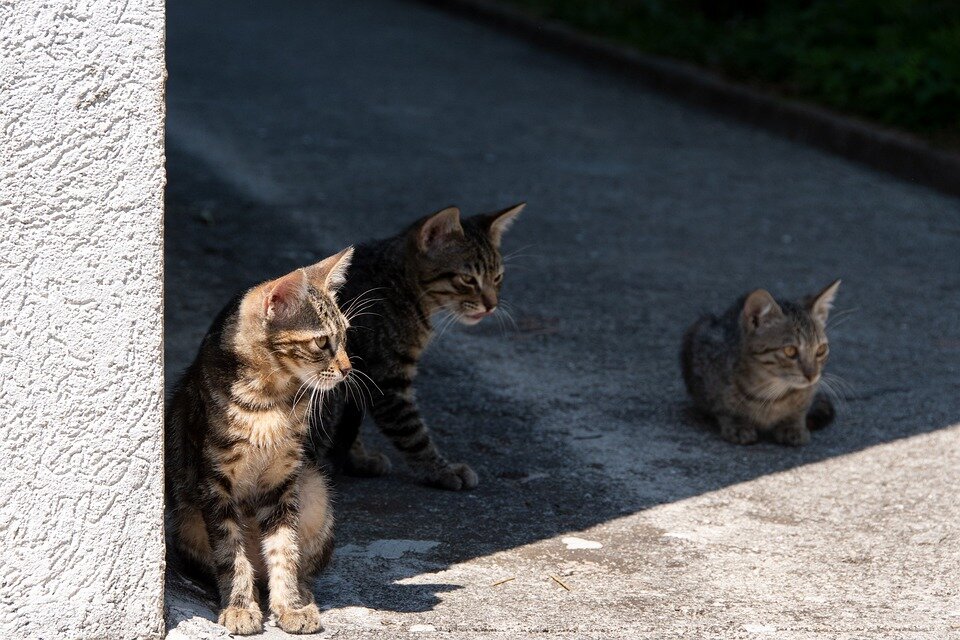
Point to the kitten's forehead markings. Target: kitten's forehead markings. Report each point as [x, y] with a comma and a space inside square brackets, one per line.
[317, 298]
[299, 336]
[325, 308]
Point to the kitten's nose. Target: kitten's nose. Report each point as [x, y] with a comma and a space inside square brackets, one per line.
[489, 300]
[343, 362]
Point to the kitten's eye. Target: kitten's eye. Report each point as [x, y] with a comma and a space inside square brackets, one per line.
[497, 279]
[791, 351]
[322, 342]
[470, 281]
[822, 350]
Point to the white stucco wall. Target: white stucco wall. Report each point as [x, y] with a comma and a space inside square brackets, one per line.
[81, 181]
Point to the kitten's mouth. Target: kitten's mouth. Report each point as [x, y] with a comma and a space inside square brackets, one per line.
[474, 318]
[804, 383]
[326, 385]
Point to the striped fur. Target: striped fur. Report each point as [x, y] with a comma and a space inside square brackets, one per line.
[758, 367]
[244, 506]
[395, 287]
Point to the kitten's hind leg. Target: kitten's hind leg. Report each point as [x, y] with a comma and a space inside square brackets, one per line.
[821, 412]
[736, 430]
[315, 532]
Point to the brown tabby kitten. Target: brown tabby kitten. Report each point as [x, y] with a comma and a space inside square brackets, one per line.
[439, 264]
[758, 367]
[244, 506]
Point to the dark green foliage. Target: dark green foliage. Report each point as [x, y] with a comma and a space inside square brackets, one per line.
[893, 61]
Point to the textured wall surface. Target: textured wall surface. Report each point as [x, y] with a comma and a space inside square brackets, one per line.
[81, 182]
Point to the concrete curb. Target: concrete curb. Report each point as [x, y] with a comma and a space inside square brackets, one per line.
[894, 152]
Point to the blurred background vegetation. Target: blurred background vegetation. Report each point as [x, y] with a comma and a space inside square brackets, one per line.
[896, 62]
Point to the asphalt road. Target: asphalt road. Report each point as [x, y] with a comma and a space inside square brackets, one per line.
[296, 128]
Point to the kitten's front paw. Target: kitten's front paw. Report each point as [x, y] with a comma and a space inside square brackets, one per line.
[455, 477]
[739, 433]
[793, 436]
[303, 620]
[821, 413]
[240, 621]
[372, 465]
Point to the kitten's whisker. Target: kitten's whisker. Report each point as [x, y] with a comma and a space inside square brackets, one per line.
[516, 252]
[454, 316]
[445, 323]
[362, 392]
[301, 391]
[839, 317]
[834, 395]
[839, 322]
[365, 313]
[843, 312]
[509, 316]
[837, 381]
[424, 293]
[768, 393]
[503, 329]
[352, 388]
[507, 304]
[522, 267]
[511, 261]
[319, 410]
[310, 408]
[354, 311]
[359, 382]
[349, 385]
[379, 390]
[348, 393]
[360, 298]
[363, 386]
[276, 356]
[838, 388]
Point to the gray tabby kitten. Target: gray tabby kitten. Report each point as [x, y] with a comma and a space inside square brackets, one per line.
[440, 263]
[757, 367]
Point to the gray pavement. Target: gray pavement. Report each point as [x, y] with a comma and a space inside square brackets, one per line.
[296, 128]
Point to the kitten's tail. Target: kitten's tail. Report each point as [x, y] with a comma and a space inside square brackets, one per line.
[821, 412]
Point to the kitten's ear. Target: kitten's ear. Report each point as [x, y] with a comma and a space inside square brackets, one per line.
[758, 309]
[284, 295]
[438, 228]
[820, 305]
[330, 273]
[499, 222]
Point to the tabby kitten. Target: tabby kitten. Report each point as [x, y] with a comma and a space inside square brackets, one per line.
[395, 286]
[757, 367]
[244, 506]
